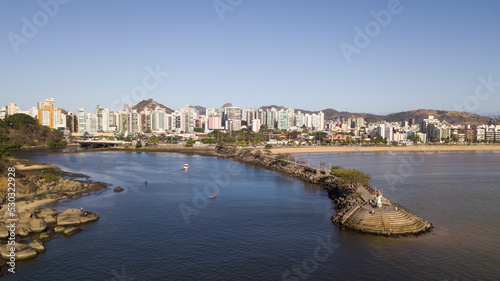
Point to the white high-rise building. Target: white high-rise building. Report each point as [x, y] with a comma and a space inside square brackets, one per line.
[102, 119]
[82, 120]
[11, 109]
[256, 125]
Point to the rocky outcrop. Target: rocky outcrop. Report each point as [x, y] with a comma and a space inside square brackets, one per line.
[22, 251]
[35, 221]
[72, 217]
[38, 184]
[118, 189]
[48, 215]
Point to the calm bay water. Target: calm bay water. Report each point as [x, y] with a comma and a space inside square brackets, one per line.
[267, 226]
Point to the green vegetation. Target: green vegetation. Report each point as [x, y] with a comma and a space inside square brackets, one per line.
[414, 138]
[189, 143]
[54, 144]
[138, 144]
[21, 130]
[351, 177]
[17, 121]
[49, 177]
[282, 156]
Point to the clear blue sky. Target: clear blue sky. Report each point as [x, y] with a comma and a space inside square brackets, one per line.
[262, 52]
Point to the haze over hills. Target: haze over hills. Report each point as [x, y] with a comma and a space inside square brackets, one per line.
[452, 117]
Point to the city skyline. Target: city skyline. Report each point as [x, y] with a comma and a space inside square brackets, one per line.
[151, 117]
[417, 55]
[98, 105]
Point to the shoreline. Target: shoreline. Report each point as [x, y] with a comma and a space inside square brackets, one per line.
[210, 150]
[412, 148]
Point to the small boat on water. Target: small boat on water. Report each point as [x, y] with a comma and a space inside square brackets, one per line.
[213, 196]
[186, 167]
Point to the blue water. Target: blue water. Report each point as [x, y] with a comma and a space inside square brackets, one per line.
[266, 226]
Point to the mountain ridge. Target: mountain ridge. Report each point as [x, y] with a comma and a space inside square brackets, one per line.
[452, 117]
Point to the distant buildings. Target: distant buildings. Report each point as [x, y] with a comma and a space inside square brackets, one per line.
[187, 120]
[434, 129]
[50, 116]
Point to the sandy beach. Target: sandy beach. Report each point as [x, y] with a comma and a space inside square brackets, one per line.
[415, 148]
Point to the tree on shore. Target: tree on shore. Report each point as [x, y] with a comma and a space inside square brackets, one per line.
[138, 144]
[19, 130]
[189, 143]
[351, 177]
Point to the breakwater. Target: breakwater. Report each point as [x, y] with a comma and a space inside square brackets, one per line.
[356, 204]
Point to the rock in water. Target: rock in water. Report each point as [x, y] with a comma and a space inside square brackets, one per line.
[59, 229]
[22, 251]
[118, 189]
[69, 217]
[37, 246]
[72, 217]
[44, 236]
[37, 225]
[71, 230]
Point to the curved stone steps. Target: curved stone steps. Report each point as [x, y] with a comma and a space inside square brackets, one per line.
[385, 221]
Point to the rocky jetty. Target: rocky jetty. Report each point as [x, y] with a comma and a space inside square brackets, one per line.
[355, 203]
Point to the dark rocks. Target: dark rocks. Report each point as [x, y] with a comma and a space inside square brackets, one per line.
[118, 189]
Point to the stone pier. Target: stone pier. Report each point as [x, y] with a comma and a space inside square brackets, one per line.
[356, 205]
